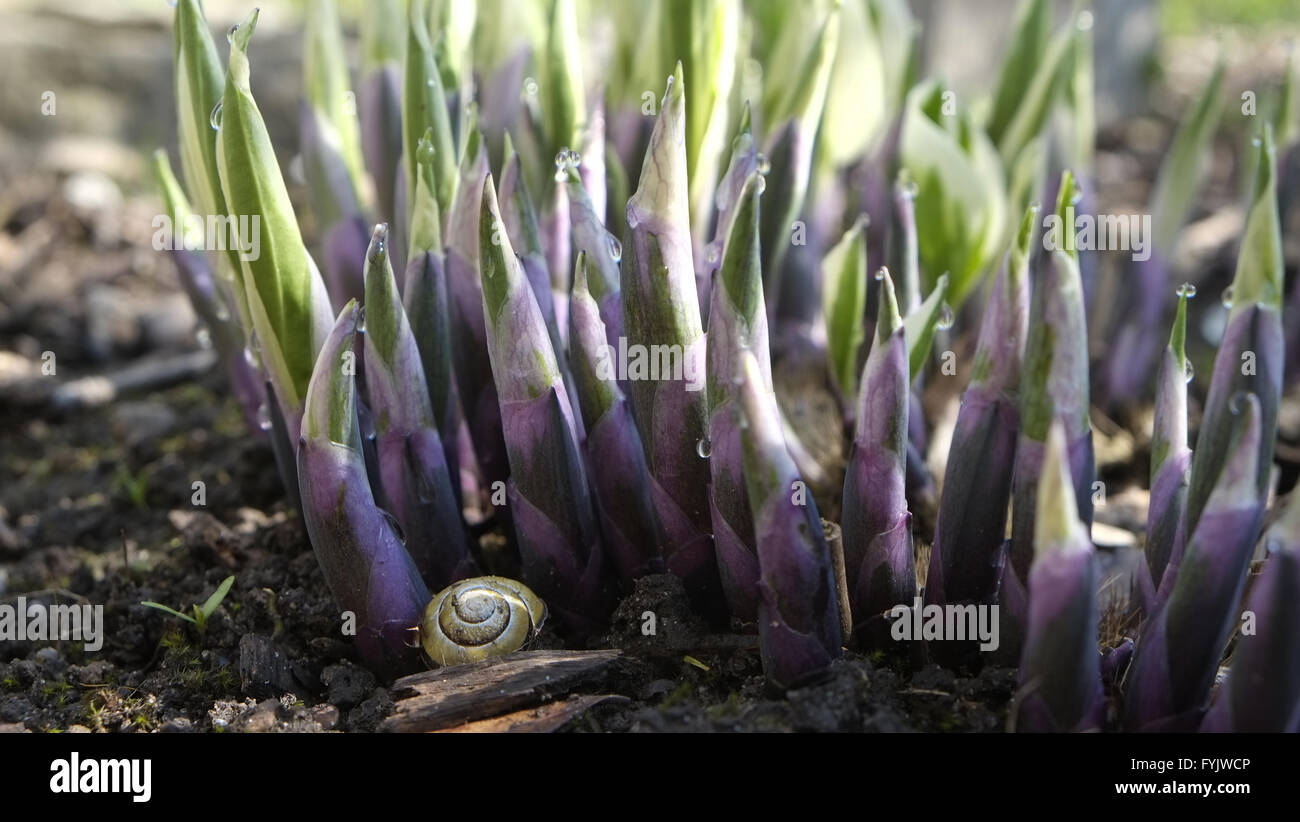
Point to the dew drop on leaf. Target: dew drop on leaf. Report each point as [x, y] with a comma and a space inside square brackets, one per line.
[945, 318]
[704, 448]
[1186, 290]
[1226, 297]
[214, 119]
[394, 524]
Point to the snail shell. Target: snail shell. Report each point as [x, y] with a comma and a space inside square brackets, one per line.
[479, 618]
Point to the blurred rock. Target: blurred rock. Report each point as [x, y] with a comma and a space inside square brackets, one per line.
[138, 422]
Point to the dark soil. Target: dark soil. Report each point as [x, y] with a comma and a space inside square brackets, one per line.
[106, 517]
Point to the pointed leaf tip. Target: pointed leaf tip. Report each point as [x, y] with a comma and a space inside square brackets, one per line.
[887, 316]
[1056, 524]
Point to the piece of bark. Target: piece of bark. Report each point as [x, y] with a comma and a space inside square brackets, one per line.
[441, 698]
[545, 719]
[264, 669]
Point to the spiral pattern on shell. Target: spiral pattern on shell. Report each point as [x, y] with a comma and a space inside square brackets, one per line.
[479, 618]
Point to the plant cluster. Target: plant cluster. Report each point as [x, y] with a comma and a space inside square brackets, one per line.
[485, 376]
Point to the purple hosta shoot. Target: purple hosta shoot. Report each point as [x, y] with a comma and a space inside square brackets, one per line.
[1181, 173]
[549, 497]
[1053, 386]
[844, 298]
[1180, 646]
[1170, 456]
[603, 249]
[562, 88]
[798, 613]
[522, 228]
[469, 341]
[1059, 683]
[1262, 691]
[877, 526]
[615, 457]
[219, 324]
[796, 115]
[287, 300]
[331, 155]
[367, 568]
[1251, 352]
[971, 526]
[380, 99]
[425, 114]
[417, 484]
[424, 297]
[706, 37]
[592, 168]
[745, 160]
[661, 312]
[557, 237]
[739, 329]
[200, 84]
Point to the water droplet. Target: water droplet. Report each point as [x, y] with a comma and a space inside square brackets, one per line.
[880, 274]
[230, 33]
[530, 87]
[945, 318]
[704, 448]
[1084, 22]
[1035, 207]
[264, 416]
[250, 357]
[762, 185]
[711, 254]
[361, 320]
[203, 337]
[1076, 196]
[1236, 404]
[615, 248]
[1226, 297]
[911, 189]
[222, 313]
[214, 119]
[762, 164]
[1187, 290]
[1188, 370]
[1256, 142]
[394, 524]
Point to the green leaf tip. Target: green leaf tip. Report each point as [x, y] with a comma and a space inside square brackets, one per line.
[887, 316]
[1258, 279]
[1056, 524]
